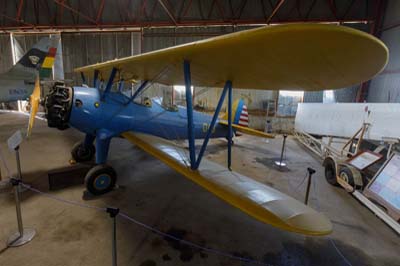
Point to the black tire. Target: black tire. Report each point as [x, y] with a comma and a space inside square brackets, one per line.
[330, 172]
[80, 153]
[346, 174]
[100, 179]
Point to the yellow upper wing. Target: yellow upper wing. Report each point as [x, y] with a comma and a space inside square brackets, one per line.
[284, 57]
[258, 200]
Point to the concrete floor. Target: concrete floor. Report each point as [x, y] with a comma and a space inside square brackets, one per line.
[156, 195]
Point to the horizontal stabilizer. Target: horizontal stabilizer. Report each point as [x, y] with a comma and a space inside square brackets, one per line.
[257, 200]
[249, 131]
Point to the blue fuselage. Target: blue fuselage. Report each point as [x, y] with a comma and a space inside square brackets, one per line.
[116, 114]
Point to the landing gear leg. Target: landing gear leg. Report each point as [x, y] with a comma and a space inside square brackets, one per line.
[101, 178]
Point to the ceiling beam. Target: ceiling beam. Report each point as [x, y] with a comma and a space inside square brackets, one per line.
[61, 3]
[163, 24]
[168, 11]
[18, 21]
[278, 5]
[100, 11]
[332, 6]
[19, 10]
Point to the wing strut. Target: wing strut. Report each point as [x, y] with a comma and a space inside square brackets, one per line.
[139, 90]
[95, 78]
[230, 126]
[83, 78]
[228, 86]
[109, 83]
[189, 110]
[194, 164]
[121, 85]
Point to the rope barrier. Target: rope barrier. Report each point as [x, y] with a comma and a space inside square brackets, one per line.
[156, 231]
[147, 227]
[329, 238]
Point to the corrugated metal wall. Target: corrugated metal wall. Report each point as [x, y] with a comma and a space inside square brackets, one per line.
[81, 49]
[386, 86]
[5, 53]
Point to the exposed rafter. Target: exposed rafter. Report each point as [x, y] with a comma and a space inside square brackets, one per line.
[278, 5]
[60, 14]
[61, 3]
[168, 11]
[100, 11]
[21, 4]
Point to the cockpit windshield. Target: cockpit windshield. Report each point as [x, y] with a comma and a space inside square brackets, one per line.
[150, 96]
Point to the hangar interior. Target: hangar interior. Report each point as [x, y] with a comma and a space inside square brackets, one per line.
[321, 137]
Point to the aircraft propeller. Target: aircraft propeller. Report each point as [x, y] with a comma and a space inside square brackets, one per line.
[34, 100]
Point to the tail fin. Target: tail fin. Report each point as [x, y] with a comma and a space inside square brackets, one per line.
[240, 115]
[39, 57]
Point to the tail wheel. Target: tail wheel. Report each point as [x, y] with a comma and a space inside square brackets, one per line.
[82, 153]
[330, 172]
[100, 179]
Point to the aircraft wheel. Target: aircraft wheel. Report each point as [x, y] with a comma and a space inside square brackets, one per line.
[346, 174]
[100, 179]
[80, 153]
[330, 172]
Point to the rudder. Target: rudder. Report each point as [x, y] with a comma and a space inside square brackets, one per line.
[240, 114]
[39, 57]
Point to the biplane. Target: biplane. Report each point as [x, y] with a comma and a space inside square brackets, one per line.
[289, 57]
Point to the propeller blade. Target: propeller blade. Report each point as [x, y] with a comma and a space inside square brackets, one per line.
[34, 102]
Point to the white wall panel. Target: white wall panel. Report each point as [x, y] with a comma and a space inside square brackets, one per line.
[344, 119]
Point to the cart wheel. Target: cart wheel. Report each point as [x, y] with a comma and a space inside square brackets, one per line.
[100, 179]
[330, 172]
[346, 174]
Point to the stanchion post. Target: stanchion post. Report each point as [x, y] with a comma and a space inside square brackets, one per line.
[24, 235]
[310, 173]
[113, 214]
[280, 163]
[16, 149]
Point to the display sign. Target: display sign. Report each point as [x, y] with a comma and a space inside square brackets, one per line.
[364, 159]
[15, 140]
[386, 185]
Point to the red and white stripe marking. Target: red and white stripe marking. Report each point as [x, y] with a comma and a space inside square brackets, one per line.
[244, 117]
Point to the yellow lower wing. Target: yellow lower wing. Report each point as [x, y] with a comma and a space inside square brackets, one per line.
[249, 131]
[258, 200]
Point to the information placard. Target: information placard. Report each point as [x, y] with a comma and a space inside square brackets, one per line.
[364, 159]
[386, 185]
[15, 140]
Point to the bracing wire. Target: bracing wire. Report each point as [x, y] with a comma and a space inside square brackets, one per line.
[148, 227]
[315, 197]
